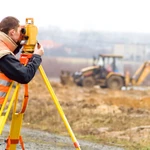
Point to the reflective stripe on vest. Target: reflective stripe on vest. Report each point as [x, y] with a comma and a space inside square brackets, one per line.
[5, 83]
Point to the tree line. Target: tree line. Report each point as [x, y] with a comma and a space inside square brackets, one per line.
[87, 43]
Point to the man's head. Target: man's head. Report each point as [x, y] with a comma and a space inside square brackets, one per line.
[10, 26]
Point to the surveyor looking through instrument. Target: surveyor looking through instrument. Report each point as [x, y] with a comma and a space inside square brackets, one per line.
[11, 35]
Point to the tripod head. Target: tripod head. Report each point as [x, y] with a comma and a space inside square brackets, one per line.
[30, 32]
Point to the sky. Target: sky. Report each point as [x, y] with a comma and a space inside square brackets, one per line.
[81, 15]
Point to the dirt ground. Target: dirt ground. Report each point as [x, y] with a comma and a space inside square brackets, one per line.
[120, 118]
[42, 140]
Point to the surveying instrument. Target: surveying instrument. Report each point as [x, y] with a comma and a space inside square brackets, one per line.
[30, 32]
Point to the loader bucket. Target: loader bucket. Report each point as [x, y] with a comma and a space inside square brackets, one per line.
[66, 78]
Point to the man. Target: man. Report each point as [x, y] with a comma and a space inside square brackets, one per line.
[10, 66]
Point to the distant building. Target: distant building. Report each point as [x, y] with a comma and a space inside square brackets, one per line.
[133, 52]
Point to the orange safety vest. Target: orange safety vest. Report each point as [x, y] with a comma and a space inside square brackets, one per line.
[4, 86]
[4, 81]
[7, 46]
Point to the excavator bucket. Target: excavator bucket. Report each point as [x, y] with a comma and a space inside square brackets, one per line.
[66, 78]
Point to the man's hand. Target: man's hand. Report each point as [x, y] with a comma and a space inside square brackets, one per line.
[38, 49]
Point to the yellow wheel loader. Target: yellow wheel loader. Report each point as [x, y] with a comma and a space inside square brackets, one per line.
[107, 72]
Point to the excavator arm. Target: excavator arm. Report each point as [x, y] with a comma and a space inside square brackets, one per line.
[141, 74]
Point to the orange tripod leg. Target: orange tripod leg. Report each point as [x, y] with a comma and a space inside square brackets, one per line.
[14, 141]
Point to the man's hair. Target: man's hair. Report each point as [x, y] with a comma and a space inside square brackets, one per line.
[9, 23]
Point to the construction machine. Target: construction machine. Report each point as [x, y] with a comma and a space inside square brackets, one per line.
[107, 71]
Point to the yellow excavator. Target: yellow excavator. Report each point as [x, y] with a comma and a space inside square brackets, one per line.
[107, 72]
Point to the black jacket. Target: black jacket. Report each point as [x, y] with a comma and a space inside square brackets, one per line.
[16, 71]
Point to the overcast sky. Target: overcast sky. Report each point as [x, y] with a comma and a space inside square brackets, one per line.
[99, 15]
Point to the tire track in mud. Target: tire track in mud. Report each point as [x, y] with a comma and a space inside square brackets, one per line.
[40, 140]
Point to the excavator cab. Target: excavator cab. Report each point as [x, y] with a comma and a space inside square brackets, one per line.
[111, 63]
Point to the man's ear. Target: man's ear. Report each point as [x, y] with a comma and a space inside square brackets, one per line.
[11, 32]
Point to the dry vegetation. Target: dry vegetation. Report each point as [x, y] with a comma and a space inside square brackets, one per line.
[101, 115]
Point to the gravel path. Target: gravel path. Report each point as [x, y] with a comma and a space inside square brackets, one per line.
[40, 140]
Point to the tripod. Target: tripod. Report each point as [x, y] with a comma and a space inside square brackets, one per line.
[14, 136]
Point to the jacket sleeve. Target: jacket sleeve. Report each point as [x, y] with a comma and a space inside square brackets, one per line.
[16, 71]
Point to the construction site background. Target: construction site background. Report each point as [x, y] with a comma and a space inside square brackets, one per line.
[75, 64]
[100, 115]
